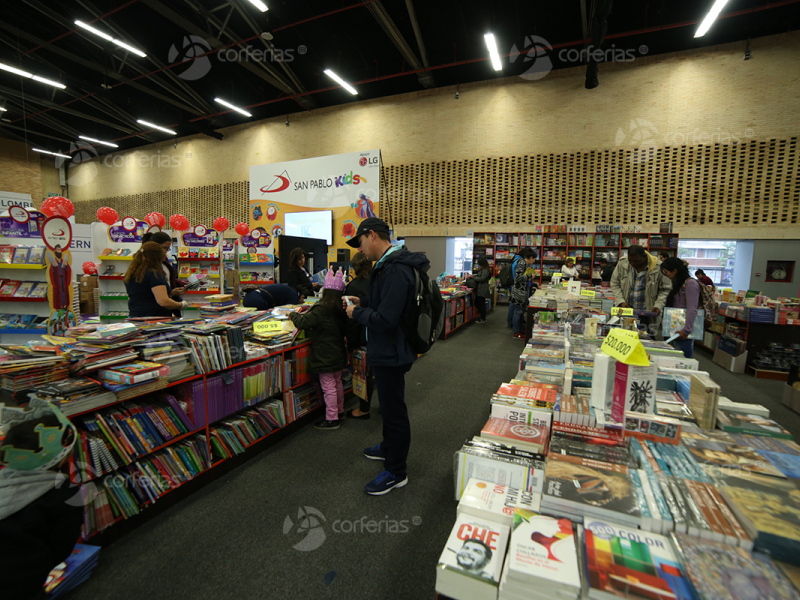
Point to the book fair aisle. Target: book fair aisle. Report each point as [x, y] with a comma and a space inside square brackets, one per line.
[613, 466]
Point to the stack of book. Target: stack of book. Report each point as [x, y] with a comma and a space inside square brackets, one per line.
[507, 465]
[300, 401]
[72, 572]
[543, 559]
[214, 346]
[74, 395]
[22, 369]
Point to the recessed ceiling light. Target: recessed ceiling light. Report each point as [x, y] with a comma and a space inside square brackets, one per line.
[83, 137]
[107, 37]
[231, 106]
[341, 82]
[148, 124]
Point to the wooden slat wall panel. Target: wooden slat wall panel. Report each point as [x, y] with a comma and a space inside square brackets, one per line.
[756, 183]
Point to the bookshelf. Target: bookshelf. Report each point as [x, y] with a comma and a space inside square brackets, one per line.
[460, 311]
[210, 413]
[555, 243]
[23, 311]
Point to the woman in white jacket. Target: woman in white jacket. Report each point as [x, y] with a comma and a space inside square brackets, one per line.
[569, 270]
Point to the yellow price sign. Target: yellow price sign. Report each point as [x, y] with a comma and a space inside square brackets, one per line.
[565, 284]
[623, 312]
[588, 293]
[268, 326]
[625, 346]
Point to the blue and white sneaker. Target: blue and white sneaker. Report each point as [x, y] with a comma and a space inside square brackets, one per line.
[385, 483]
[374, 453]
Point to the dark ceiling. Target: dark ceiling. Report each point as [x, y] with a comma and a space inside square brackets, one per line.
[371, 44]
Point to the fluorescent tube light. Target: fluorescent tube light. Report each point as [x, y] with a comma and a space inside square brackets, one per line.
[231, 106]
[341, 82]
[107, 37]
[27, 75]
[259, 5]
[148, 124]
[710, 18]
[53, 153]
[83, 137]
[491, 44]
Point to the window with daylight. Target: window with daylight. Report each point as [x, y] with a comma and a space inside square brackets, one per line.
[459, 255]
[715, 257]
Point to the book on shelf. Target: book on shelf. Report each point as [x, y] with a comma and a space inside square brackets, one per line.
[542, 558]
[533, 438]
[717, 570]
[495, 501]
[9, 288]
[622, 562]
[39, 290]
[36, 256]
[471, 563]
[749, 424]
[20, 255]
[24, 289]
[6, 254]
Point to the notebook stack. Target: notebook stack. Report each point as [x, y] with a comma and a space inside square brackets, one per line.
[75, 395]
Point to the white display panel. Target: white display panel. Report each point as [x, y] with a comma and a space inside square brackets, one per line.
[316, 224]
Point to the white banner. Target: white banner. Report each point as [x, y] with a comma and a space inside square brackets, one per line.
[9, 199]
[322, 182]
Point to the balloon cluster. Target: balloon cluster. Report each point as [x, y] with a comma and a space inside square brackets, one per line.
[221, 224]
[242, 229]
[58, 206]
[179, 222]
[107, 215]
[156, 218]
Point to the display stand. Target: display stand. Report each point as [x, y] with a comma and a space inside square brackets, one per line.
[115, 245]
[458, 312]
[200, 255]
[256, 259]
[23, 316]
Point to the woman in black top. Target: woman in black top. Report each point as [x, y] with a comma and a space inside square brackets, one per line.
[147, 286]
[357, 333]
[165, 241]
[298, 277]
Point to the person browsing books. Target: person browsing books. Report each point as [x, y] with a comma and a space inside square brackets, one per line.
[703, 278]
[569, 270]
[483, 291]
[40, 512]
[357, 333]
[147, 286]
[606, 270]
[165, 241]
[662, 256]
[391, 293]
[685, 293]
[298, 277]
[326, 323]
[267, 297]
[638, 282]
[519, 293]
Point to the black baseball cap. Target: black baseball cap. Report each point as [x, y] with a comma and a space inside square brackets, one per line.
[371, 224]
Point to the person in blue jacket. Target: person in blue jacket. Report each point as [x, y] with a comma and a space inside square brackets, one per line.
[390, 300]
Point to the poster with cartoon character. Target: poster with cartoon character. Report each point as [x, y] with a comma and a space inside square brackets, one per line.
[57, 236]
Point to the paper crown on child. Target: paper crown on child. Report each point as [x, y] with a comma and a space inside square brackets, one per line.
[334, 282]
[52, 442]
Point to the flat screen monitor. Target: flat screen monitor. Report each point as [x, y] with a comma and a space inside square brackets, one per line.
[311, 224]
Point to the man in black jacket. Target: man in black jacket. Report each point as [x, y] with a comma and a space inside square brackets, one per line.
[391, 293]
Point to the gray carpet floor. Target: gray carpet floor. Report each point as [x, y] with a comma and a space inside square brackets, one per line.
[230, 539]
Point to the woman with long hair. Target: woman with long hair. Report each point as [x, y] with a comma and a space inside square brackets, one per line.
[326, 323]
[298, 277]
[483, 291]
[165, 241]
[147, 286]
[685, 293]
[357, 333]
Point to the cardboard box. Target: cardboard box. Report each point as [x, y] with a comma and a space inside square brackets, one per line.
[734, 364]
[791, 397]
[88, 282]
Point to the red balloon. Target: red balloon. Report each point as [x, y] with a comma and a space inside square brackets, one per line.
[242, 228]
[221, 224]
[179, 222]
[89, 268]
[58, 206]
[155, 218]
[107, 215]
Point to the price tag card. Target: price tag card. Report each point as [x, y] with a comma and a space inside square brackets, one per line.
[625, 346]
[268, 326]
[623, 312]
[588, 293]
[574, 287]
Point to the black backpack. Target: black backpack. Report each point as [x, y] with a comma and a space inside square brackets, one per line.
[424, 319]
[507, 275]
